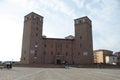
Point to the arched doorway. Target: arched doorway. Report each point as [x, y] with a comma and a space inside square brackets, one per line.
[58, 61]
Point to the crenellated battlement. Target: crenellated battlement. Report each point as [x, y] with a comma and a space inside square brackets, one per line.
[82, 20]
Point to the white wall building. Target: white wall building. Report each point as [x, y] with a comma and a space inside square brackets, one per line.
[111, 60]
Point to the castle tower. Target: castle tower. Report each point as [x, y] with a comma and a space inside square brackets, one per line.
[83, 47]
[32, 38]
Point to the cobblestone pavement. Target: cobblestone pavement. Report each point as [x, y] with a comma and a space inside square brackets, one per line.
[21, 73]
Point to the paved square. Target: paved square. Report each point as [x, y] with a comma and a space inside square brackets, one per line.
[21, 73]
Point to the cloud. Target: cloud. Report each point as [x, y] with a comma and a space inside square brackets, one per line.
[102, 9]
[23, 5]
[79, 3]
[105, 36]
[105, 23]
[58, 6]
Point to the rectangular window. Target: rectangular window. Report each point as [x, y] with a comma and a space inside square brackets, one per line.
[37, 22]
[24, 58]
[35, 54]
[36, 34]
[45, 45]
[37, 28]
[51, 53]
[66, 54]
[80, 37]
[44, 53]
[40, 19]
[80, 45]
[35, 51]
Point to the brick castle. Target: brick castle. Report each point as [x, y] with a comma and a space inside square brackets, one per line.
[37, 49]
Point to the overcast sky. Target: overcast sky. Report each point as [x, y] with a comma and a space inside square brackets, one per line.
[59, 18]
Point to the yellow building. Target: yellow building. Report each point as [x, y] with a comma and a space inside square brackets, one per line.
[100, 55]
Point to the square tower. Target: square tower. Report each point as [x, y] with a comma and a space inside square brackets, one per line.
[83, 46]
[32, 37]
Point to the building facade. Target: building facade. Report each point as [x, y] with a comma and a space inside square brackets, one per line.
[117, 54]
[111, 60]
[101, 55]
[37, 49]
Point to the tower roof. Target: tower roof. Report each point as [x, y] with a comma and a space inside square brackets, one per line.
[85, 17]
[33, 13]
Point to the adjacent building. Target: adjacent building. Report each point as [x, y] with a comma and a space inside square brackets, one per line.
[111, 60]
[38, 49]
[100, 55]
[105, 57]
[118, 57]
